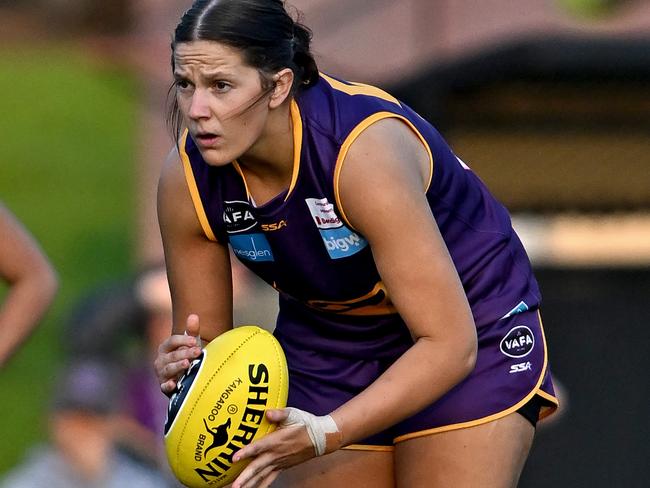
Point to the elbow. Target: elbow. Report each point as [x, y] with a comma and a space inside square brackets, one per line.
[48, 283]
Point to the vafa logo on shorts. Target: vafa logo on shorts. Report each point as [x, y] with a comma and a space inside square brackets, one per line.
[518, 342]
[339, 240]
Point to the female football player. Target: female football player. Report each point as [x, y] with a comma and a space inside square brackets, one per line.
[408, 309]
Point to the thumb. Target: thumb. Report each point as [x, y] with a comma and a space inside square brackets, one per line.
[192, 327]
[277, 415]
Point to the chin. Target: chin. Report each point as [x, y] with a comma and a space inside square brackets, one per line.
[214, 157]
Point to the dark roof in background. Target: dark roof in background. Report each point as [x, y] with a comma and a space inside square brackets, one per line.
[558, 59]
[550, 125]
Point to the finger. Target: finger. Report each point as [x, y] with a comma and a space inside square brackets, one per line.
[177, 341]
[174, 370]
[253, 472]
[249, 451]
[189, 353]
[168, 366]
[261, 479]
[192, 327]
[270, 478]
[168, 387]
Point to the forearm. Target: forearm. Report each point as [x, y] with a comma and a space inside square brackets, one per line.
[23, 307]
[419, 377]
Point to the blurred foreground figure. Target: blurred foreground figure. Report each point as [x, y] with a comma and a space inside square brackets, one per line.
[32, 284]
[81, 452]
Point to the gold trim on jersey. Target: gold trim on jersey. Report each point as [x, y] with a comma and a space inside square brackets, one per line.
[296, 123]
[545, 412]
[345, 147]
[369, 447]
[354, 88]
[194, 190]
[375, 302]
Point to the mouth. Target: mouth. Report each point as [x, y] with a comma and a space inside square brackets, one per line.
[206, 139]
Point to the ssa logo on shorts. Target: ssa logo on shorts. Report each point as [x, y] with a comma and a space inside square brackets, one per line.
[518, 342]
[339, 240]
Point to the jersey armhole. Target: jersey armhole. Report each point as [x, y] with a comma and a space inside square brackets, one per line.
[194, 190]
[354, 134]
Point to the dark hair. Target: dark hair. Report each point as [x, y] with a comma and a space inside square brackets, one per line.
[267, 36]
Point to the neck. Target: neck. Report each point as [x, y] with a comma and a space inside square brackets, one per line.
[268, 164]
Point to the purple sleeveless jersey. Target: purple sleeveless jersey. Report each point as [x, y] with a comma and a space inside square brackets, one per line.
[337, 324]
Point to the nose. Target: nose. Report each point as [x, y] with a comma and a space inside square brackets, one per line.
[199, 107]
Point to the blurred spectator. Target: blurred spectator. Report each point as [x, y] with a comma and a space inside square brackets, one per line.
[81, 452]
[144, 403]
[124, 323]
[32, 284]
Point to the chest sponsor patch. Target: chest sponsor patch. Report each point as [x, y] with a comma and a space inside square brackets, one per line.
[518, 342]
[251, 247]
[323, 213]
[339, 240]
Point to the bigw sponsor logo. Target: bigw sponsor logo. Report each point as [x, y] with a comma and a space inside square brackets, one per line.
[342, 242]
[339, 240]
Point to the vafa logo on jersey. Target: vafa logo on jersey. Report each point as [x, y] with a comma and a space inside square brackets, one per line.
[253, 246]
[339, 240]
[238, 217]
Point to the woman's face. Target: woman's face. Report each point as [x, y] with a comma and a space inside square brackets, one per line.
[215, 91]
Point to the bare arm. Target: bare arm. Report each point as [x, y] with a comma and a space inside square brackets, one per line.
[199, 276]
[382, 191]
[32, 284]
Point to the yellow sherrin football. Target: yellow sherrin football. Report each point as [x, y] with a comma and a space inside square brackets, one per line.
[219, 405]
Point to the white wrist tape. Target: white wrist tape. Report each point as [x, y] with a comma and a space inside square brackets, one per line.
[317, 427]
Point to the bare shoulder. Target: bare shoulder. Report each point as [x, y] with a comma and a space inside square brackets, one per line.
[176, 212]
[172, 178]
[389, 145]
[385, 165]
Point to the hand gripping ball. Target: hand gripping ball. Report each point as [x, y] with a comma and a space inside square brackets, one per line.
[218, 406]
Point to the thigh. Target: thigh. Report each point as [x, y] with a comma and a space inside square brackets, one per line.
[346, 467]
[490, 455]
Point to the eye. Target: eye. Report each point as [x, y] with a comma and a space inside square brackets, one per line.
[221, 86]
[182, 85]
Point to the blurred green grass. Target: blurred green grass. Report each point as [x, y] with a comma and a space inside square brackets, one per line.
[67, 171]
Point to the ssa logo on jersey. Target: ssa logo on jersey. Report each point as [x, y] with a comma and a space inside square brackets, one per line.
[518, 342]
[238, 217]
[338, 239]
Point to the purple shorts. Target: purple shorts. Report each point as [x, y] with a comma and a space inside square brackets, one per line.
[511, 368]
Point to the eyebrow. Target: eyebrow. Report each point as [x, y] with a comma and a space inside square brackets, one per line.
[207, 74]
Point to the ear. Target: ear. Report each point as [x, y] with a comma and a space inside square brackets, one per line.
[283, 82]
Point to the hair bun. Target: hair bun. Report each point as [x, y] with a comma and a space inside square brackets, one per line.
[302, 56]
